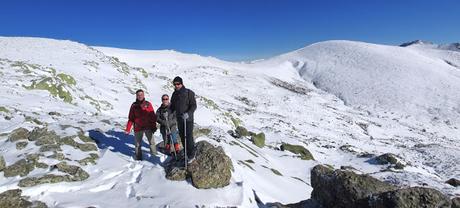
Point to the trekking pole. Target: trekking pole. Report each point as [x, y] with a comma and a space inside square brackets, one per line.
[185, 141]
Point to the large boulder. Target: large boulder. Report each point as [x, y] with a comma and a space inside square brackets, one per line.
[419, 197]
[12, 198]
[456, 202]
[339, 188]
[212, 168]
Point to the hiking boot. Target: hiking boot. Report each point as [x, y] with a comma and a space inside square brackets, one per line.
[191, 158]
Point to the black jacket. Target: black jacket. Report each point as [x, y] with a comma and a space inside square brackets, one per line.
[161, 119]
[183, 101]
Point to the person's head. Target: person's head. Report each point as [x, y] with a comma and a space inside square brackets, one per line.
[177, 82]
[165, 99]
[140, 95]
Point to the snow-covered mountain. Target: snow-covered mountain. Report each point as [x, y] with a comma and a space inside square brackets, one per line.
[420, 80]
[343, 101]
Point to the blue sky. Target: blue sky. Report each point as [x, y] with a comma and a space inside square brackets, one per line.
[231, 30]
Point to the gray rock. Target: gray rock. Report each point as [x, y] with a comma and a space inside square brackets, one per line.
[76, 173]
[91, 159]
[241, 132]
[258, 140]
[85, 147]
[212, 168]
[18, 134]
[13, 199]
[2, 163]
[297, 149]
[456, 202]
[50, 178]
[339, 188]
[21, 145]
[58, 156]
[50, 148]
[389, 158]
[419, 197]
[348, 148]
[175, 172]
[42, 136]
[21, 168]
[53, 113]
[453, 182]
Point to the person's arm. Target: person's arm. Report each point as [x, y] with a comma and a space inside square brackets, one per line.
[131, 118]
[154, 116]
[159, 120]
[192, 103]
[173, 120]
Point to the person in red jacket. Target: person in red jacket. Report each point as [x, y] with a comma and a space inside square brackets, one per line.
[142, 116]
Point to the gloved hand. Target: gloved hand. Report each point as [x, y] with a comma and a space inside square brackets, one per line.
[185, 116]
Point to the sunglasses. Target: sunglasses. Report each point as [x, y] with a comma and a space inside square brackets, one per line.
[177, 84]
[165, 99]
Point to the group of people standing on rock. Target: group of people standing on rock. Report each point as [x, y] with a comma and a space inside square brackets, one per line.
[175, 116]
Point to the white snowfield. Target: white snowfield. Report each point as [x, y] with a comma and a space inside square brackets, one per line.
[339, 99]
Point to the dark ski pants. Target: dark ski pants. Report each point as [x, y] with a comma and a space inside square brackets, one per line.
[190, 141]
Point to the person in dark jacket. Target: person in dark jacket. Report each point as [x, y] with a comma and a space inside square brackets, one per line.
[168, 124]
[142, 116]
[184, 104]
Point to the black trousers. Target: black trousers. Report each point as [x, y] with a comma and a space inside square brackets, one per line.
[190, 141]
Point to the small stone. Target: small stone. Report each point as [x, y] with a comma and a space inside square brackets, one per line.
[21, 145]
[89, 160]
[297, 149]
[2, 163]
[387, 158]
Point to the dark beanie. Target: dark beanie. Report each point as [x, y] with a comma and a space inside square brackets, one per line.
[177, 79]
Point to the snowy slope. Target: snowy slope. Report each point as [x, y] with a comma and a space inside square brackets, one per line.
[266, 96]
[419, 80]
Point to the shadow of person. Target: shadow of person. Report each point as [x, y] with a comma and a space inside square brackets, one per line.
[119, 142]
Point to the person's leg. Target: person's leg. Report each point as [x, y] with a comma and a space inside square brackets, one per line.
[138, 144]
[190, 141]
[166, 144]
[151, 139]
[180, 126]
[174, 135]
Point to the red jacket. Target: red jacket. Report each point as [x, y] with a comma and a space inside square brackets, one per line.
[142, 115]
